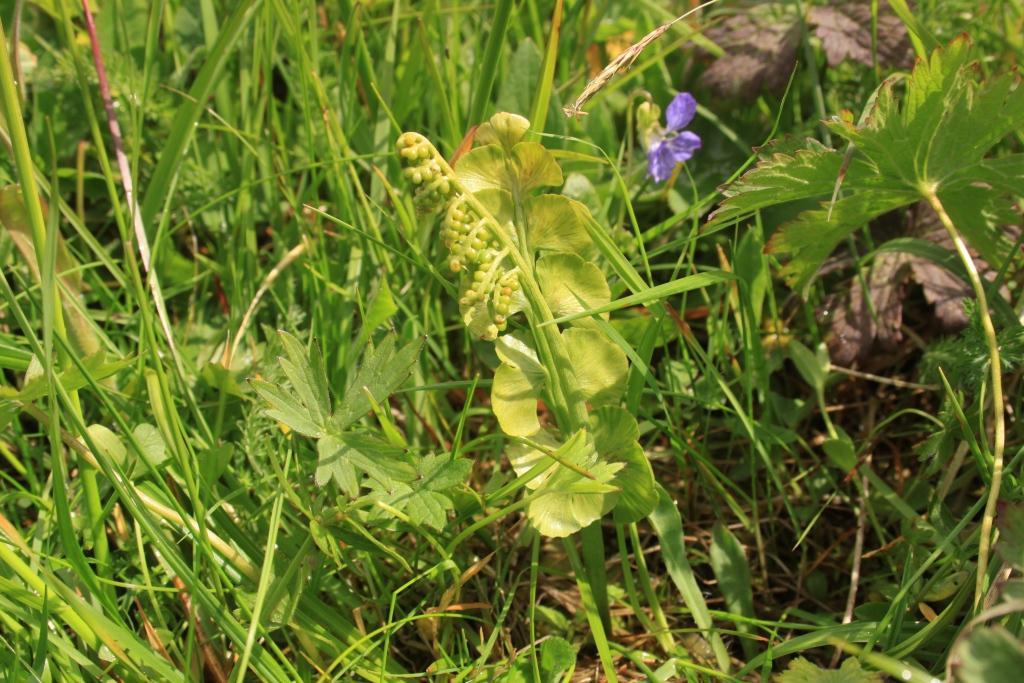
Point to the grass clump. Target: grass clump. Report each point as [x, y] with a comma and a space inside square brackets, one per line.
[718, 381]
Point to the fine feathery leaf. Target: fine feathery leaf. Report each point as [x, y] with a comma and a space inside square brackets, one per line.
[382, 372]
[802, 671]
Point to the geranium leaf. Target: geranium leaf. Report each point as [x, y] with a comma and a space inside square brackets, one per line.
[426, 498]
[286, 409]
[988, 655]
[814, 234]
[382, 372]
[441, 472]
[382, 461]
[780, 178]
[306, 373]
[933, 139]
[572, 285]
[335, 462]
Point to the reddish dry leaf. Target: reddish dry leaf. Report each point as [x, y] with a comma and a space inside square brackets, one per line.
[944, 291]
[844, 29]
[760, 53]
[14, 218]
[872, 319]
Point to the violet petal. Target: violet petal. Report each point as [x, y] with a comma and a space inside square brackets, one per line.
[681, 111]
[682, 146]
[660, 161]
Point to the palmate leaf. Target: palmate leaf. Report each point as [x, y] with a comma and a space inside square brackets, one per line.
[802, 671]
[933, 139]
[813, 235]
[335, 461]
[306, 373]
[346, 457]
[287, 409]
[307, 407]
[991, 654]
[383, 371]
[783, 177]
[426, 497]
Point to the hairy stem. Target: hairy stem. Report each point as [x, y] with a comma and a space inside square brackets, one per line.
[998, 419]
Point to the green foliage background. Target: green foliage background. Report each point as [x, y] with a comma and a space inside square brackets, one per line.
[275, 455]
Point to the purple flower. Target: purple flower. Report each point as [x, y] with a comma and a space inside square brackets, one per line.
[673, 145]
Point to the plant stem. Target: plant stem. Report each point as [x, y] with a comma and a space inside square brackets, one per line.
[998, 421]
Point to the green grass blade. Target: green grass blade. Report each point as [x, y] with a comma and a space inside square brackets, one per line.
[668, 525]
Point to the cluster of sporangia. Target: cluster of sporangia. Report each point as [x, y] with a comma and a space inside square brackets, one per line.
[467, 233]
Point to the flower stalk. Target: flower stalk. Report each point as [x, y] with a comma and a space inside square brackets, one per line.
[996, 371]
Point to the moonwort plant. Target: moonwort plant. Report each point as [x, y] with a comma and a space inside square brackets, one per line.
[520, 251]
[523, 251]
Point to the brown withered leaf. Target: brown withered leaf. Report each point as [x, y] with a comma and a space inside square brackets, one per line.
[874, 316]
[944, 291]
[760, 53]
[941, 288]
[844, 29]
[14, 221]
[871, 320]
